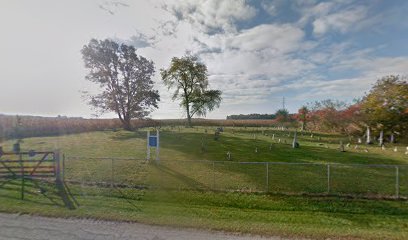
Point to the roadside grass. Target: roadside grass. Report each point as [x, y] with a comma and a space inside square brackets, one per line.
[194, 204]
[292, 216]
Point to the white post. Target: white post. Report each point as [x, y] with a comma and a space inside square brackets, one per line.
[148, 146]
[157, 147]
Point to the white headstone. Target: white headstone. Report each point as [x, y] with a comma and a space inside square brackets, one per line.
[381, 138]
[368, 141]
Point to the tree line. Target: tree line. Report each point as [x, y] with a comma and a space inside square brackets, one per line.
[383, 111]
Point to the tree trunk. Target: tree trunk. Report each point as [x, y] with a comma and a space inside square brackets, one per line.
[127, 125]
[392, 138]
[188, 115]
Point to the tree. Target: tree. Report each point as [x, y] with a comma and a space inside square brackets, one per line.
[190, 79]
[282, 115]
[326, 114]
[124, 78]
[386, 105]
[302, 116]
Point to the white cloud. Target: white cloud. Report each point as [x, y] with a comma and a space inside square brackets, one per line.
[340, 21]
[277, 38]
[212, 15]
[269, 7]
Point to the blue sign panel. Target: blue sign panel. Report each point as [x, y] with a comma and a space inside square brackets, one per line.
[153, 141]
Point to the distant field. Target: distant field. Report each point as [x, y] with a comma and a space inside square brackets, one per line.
[186, 165]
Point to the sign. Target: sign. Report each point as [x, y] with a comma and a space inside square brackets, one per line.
[153, 141]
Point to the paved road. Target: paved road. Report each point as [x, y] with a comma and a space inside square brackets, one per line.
[32, 227]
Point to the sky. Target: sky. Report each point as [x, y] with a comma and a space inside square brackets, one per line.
[256, 51]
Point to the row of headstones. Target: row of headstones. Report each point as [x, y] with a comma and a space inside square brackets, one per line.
[295, 143]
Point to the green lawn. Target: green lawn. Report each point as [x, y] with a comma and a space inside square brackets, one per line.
[195, 205]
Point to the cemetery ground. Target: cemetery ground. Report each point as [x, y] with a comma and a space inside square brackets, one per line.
[186, 188]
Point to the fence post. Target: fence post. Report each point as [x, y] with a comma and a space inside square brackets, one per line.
[20, 158]
[328, 178]
[213, 183]
[111, 172]
[267, 177]
[57, 166]
[396, 182]
[63, 167]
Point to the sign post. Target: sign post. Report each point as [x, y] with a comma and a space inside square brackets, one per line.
[153, 141]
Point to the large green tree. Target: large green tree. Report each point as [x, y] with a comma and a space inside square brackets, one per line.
[189, 77]
[124, 77]
[386, 105]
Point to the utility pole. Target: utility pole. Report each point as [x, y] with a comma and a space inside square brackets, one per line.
[283, 102]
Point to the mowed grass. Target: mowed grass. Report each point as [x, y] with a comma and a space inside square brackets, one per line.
[290, 216]
[186, 157]
[193, 206]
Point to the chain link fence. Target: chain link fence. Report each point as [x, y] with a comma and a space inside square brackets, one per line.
[360, 180]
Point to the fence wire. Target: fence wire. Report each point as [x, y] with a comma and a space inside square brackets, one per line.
[274, 177]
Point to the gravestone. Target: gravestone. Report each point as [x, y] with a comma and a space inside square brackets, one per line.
[229, 155]
[295, 143]
[368, 135]
[381, 138]
[216, 135]
[341, 148]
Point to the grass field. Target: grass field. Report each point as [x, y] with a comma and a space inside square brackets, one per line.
[313, 216]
